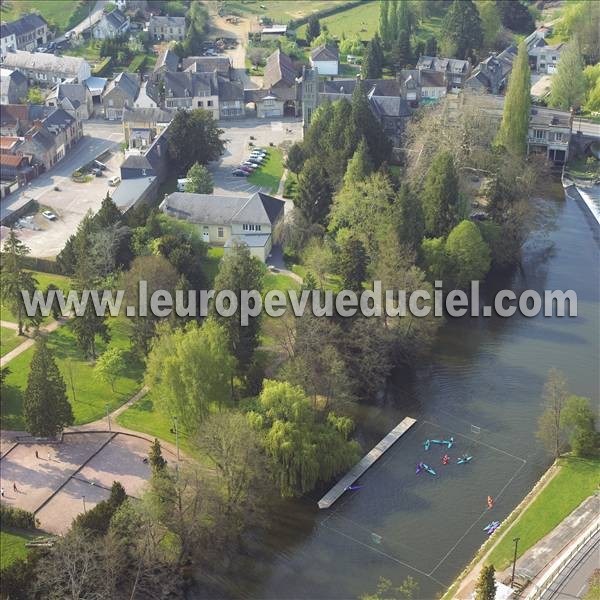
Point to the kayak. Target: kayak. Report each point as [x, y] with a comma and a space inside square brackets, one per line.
[465, 460]
[429, 469]
[492, 529]
[491, 525]
[449, 443]
[426, 444]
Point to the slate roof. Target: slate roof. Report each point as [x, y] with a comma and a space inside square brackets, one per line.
[136, 161]
[324, 53]
[148, 115]
[450, 65]
[115, 18]
[207, 64]
[432, 79]
[229, 90]
[128, 83]
[23, 114]
[279, 69]
[11, 78]
[26, 24]
[380, 87]
[186, 83]
[58, 120]
[167, 21]
[168, 59]
[129, 191]
[41, 61]
[74, 92]
[210, 209]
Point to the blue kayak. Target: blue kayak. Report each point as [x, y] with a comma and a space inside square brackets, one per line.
[426, 444]
[491, 525]
[465, 460]
[429, 469]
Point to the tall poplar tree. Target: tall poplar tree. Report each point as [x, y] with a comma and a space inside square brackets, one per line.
[517, 105]
[45, 406]
[384, 23]
[461, 29]
[568, 85]
[393, 21]
[486, 584]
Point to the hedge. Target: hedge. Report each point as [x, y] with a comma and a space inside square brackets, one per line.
[137, 63]
[102, 67]
[17, 518]
[326, 12]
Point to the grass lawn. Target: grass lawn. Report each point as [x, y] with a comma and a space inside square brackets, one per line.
[62, 14]
[281, 11]
[91, 394]
[576, 480]
[278, 281]
[90, 51]
[211, 266]
[12, 546]
[580, 168]
[9, 340]
[268, 176]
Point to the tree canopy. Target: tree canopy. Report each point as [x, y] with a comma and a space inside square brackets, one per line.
[461, 30]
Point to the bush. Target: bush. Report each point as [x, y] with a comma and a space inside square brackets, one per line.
[101, 68]
[137, 63]
[17, 518]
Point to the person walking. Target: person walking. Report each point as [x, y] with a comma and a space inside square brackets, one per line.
[1, 492]
[15, 490]
[37, 455]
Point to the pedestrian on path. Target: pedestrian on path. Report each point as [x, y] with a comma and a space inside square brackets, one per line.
[48, 455]
[1, 492]
[36, 454]
[15, 490]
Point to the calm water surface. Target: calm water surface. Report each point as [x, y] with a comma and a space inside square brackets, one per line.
[484, 372]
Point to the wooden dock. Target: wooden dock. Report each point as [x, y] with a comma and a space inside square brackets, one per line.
[365, 462]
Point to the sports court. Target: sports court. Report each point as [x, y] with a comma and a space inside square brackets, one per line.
[68, 477]
[418, 520]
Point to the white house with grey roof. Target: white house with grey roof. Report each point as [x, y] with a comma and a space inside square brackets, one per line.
[75, 98]
[46, 69]
[167, 28]
[226, 220]
[326, 60]
[26, 33]
[111, 25]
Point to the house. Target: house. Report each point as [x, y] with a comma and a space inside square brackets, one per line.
[132, 5]
[13, 86]
[422, 86]
[454, 70]
[47, 69]
[135, 191]
[75, 98]
[50, 139]
[136, 166]
[167, 61]
[386, 100]
[26, 33]
[142, 125]
[491, 75]
[326, 60]
[111, 25]
[232, 102]
[280, 94]
[544, 59]
[16, 167]
[208, 64]
[167, 28]
[17, 119]
[226, 220]
[272, 31]
[120, 93]
[187, 90]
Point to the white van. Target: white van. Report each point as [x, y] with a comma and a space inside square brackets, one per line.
[114, 181]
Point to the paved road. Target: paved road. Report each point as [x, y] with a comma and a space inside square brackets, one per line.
[573, 580]
[93, 17]
[586, 127]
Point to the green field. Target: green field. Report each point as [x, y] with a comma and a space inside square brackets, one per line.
[211, 266]
[269, 175]
[60, 14]
[9, 340]
[12, 546]
[279, 281]
[281, 11]
[91, 394]
[577, 479]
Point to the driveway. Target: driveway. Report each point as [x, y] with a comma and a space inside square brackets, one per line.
[237, 134]
[72, 200]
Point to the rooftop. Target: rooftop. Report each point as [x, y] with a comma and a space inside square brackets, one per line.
[42, 61]
[23, 25]
[325, 53]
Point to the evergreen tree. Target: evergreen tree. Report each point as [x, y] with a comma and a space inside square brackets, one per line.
[384, 23]
[393, 21]
[314, 192]
[468, 255]
[402, 51]
[108, 215]
[45, 406]
[14, 279]
[491, 23]
[410, 224]
[568, 85]
[359, 166]
[200, 180]
[486, 584]
[371, 67]
[461, 29]
[516, 16]
[405, 17]
[440, 195]
[352, 263]
[238, 271]
[295, 158]
[157, 462]
[431, 46]
[313, 28]
[378, 51]
[517, 104]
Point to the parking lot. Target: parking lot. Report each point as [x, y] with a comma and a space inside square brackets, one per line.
[237, 149]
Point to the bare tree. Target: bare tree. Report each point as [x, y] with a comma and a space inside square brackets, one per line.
[550, 429]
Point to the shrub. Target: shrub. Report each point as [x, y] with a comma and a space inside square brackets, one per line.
[137, 63]
[102, 66]
[17, 518]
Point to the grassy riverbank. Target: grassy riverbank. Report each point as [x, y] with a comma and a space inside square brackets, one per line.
[576, 480]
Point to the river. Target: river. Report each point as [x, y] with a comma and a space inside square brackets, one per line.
[482, 386]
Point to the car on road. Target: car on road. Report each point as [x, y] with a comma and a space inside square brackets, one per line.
[252, 166]
[256, 161]
[113, 181]
[258, 154]
[246, 168]
[240, 173]
[48, 214]
[97, 172]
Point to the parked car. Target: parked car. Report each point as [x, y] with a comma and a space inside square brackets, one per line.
[259, 154]
[247, 168]
[250, 165]
[48, 214]
[113, 181]
[256, 161]
[240, 173]
[97, 172]
[100, 165]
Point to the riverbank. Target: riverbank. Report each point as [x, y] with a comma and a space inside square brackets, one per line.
[560, 491]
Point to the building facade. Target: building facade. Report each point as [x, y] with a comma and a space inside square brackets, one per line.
[47, 69]
[167, 28]
[26, 33]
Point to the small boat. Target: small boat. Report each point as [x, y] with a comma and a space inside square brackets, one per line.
[436, 441]
[492, 529]
[427, 444]
[449, 443]
[464, 460]
[429, 469]
[491, 525]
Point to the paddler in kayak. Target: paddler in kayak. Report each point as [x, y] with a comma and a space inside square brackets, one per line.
[490, 502]
[445, 459]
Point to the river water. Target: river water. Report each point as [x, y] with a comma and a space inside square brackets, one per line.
[482, 386]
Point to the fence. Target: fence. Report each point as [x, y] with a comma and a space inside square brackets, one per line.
[554, 571]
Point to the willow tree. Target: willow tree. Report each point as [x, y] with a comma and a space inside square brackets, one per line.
[517, 104]
[568, 85]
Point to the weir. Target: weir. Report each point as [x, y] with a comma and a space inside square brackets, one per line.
[365, 462]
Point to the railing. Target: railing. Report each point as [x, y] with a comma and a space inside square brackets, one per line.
[550, 576]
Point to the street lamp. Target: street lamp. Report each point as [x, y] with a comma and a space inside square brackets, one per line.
[83, 499]
[512, 578]
[108, 417]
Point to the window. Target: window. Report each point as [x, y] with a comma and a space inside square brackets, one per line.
[539, 134]
[200, 104]
[220, 232]
[209, 102]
